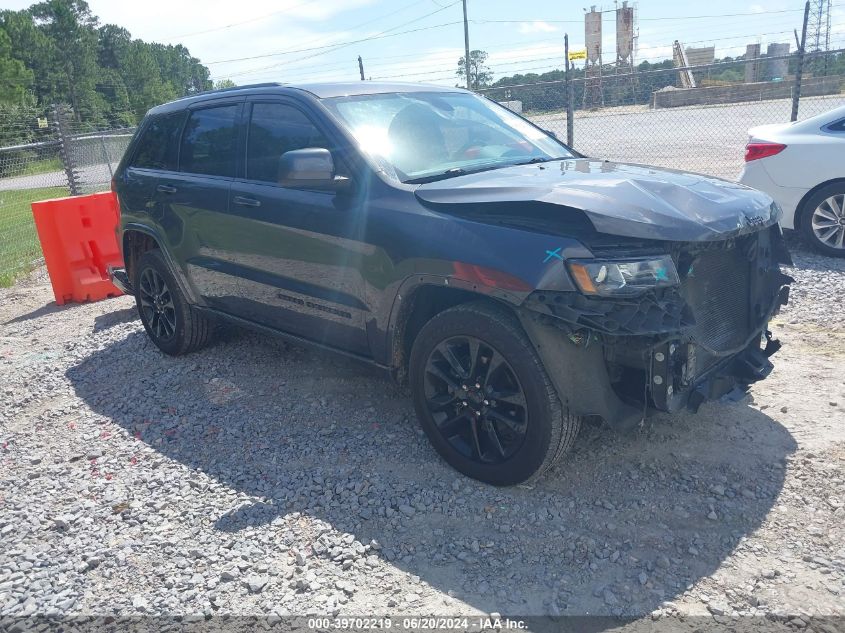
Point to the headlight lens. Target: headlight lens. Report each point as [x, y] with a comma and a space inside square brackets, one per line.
[623, 278]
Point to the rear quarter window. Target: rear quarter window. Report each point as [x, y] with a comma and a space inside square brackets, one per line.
[159, 142]
[836, 126]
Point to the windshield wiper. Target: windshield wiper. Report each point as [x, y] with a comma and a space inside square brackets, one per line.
[540, 159]
[461, 171]
[449, 173]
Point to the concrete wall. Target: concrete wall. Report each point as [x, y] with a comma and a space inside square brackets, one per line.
[760, 91]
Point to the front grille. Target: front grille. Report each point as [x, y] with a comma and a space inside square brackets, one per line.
[717, 290]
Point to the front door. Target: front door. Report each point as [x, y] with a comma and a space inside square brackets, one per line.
[297, 257]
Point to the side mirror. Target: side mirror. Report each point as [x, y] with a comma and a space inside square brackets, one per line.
[309, 168]
[550, 133]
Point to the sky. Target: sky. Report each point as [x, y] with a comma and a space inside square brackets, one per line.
[251, 41]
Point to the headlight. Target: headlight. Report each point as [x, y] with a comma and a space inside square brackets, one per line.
[623, 278]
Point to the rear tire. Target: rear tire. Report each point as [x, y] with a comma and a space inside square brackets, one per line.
[504, 441]
[173, 324]
[823, 220]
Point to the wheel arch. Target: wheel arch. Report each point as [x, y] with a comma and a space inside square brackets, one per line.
[800, 210]
[422, 301]
[137, 239]
[135, 243]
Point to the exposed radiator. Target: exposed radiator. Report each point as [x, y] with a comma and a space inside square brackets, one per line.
[717, 290]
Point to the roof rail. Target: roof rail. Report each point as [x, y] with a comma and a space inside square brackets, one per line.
[269, 84]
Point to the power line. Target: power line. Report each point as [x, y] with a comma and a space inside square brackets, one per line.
[434, 57]
[493, 67]
[612, 12]
[378, 36]
[427, 28]
[235, 24]
[376, 59]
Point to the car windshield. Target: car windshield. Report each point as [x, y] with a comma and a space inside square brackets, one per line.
[423, 136]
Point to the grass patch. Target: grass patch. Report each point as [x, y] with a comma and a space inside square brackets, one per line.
[20, 250]
[43, 166]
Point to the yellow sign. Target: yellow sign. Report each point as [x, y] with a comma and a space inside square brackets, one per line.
[582, 54]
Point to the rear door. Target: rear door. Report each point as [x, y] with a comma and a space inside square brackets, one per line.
[194, 201]
[155, 152]
[297, 256]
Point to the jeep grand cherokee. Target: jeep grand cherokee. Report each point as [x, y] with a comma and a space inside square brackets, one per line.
[516, 285]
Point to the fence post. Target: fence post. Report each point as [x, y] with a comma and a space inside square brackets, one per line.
[66, 155]
[106, 155]
[570, 123]
[796, 95]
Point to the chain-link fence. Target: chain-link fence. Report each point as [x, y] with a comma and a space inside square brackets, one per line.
[641, 117]
[55, 157]
[644, 117]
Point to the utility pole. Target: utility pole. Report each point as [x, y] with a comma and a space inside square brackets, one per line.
[361, 67]
[796, 93]
[466, 47]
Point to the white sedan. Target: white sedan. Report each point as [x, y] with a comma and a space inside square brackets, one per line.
[802, 166]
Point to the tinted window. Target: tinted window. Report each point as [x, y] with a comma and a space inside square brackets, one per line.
[274, 129]
[208, 144]
[159, 141]
[838, 126]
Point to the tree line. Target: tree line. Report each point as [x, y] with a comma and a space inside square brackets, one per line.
[56, 51]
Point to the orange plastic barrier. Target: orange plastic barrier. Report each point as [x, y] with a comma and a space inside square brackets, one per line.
[78, 239]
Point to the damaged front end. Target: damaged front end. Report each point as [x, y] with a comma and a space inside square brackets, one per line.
[675, 346]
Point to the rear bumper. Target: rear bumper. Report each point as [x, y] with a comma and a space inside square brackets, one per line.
[120, 279]
[754, 175]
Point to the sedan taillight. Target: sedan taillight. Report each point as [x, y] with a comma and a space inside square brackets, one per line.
[753, 151]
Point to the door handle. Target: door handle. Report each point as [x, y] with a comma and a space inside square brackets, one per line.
[166, 189]
[246, 202]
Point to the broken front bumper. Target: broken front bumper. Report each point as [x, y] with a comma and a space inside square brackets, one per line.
[668, 349]
[654, 375]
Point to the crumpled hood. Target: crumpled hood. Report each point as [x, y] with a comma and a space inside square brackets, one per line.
[619, 199]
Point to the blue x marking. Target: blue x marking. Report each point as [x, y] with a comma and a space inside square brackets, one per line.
[553, 254]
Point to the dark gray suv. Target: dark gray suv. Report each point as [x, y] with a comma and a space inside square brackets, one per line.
[516, 285]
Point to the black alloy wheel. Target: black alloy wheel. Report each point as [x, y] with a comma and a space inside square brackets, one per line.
[156, 304]
[475, 399]
[483, 397]
[171, 322]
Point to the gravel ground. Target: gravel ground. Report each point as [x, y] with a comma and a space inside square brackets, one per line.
[261, 478]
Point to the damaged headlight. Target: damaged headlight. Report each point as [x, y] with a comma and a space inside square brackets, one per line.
[623, 278]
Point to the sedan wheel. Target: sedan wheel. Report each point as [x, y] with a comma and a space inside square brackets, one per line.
[822, 219]
[828, 222]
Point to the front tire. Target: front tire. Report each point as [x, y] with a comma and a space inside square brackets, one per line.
[171, 322]
[823, 220]
[483, 396]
